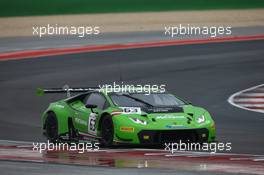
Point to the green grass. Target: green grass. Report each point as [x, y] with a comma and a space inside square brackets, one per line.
[50, 7]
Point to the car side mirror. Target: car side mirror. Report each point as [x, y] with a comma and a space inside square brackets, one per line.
[91, 106]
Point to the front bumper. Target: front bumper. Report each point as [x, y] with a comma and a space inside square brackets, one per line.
[154, 137]
[156, 133]
[171, 136]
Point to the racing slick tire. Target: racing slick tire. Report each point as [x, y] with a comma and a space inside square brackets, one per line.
[107, 131]
[52, 127]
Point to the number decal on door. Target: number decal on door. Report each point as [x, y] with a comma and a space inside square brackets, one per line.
[92, 124]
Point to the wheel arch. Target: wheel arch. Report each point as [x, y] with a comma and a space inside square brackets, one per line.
[62, 120]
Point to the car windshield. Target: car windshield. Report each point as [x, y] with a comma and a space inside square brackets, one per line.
[140, 99]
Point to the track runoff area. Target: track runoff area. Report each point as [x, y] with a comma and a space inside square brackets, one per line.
[249, 99]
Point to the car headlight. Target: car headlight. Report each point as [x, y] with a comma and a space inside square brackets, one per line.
[200, 119]
[138, 121]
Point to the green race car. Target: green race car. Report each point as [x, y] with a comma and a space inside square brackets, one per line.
[125, 118]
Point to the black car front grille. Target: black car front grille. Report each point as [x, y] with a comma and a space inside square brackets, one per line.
[167, 136]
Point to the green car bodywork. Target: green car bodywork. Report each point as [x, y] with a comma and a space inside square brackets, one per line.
[73, 118]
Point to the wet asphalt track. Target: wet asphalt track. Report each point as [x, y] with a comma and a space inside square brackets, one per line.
[12, 168]
[204, 74]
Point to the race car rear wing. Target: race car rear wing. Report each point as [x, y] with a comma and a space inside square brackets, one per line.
[65, 89]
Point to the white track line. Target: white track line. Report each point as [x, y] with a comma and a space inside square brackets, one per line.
[231, 99]
[252, 105]
[250, 94]
[248, 100]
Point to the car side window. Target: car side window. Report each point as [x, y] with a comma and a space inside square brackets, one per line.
[97, 99]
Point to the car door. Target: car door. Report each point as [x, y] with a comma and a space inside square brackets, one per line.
[90, 117]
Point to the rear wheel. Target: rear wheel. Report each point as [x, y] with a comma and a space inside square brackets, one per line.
[107, 131]
[52, 127]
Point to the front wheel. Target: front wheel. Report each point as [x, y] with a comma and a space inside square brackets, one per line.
[107, 131]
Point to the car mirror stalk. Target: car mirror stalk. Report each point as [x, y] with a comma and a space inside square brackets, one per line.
[91, 106]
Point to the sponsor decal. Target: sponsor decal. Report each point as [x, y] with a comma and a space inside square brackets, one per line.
[169, 117]
[126, 129]
[131, 110]
[59, 106]
[175, 126]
